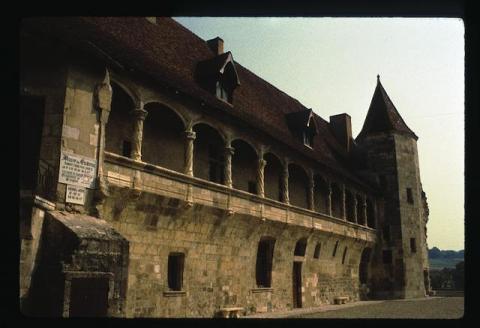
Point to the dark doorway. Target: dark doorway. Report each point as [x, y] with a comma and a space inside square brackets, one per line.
[363, 274]
[297, 284]
[89, 297]
[31, 125]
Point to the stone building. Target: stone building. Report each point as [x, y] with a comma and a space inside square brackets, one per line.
[160, 178]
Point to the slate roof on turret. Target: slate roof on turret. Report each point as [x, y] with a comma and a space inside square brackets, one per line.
[169, 53]
[382, 116]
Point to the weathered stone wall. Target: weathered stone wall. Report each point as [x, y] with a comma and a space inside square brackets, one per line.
[413, 224]
[394, 158]
[220, 255]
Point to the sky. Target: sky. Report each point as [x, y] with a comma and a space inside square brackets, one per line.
[331, 66]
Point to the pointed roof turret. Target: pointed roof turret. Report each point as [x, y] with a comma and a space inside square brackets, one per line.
[382, 116]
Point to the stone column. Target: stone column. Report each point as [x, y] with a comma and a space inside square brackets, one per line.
[103, 102]
[285, 195]
[365, 213]
[229, 151]
[261, 177]
[329, 205]
[311, 192]
[190, 137]
[344, 208]
[139, 115]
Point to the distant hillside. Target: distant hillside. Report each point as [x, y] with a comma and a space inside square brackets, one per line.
[444, 259]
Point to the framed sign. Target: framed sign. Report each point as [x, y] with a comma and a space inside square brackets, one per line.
[77, 170]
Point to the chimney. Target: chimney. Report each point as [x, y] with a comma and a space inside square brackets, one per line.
[216, 45]
[341, 125]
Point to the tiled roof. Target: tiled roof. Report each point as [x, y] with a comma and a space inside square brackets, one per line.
[382, 116]
[170, 53]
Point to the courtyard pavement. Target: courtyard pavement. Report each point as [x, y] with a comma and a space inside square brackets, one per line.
[420, 308]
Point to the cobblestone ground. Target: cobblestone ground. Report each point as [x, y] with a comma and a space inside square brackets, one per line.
[429, 308]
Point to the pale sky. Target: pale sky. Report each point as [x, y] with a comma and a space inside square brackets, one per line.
[331, 64]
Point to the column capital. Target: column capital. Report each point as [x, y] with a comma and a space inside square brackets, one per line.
[229, 150]
[139, 113]
[262, 163]
[191, 135]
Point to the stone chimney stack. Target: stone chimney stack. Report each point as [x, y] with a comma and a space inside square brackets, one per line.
[341, 125]
[216, 45]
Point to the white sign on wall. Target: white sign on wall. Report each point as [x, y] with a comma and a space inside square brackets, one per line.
[77, 170]
[75, 195]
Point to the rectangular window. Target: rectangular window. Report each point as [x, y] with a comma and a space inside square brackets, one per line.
[413, 245]
[264, 263]
[252, 187]
[409, 195]
[335, 249]
[344, 255]
[387, 256]
[175, 271]
[126, 148]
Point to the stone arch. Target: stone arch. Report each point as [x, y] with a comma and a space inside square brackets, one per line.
[321, 194]
[350, 205]
[244, 166]
[163, 141]
[221, 132]
[273, 176]
[119, 128]
[208, 153]
[128, 88]
[298, 185]
[364, 273]
[180, 114]
[300, 247]
[337, 202]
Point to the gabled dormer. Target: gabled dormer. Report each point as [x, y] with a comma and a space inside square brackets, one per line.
[303, 126]
[218, 75]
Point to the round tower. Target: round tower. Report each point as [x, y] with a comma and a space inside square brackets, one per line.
[390, 152]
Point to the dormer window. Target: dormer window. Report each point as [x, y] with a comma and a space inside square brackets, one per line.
[219, 76]
[303, 127]
[308, 139]
[222, 92]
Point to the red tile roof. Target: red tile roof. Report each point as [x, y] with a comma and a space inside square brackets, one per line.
[169, 53]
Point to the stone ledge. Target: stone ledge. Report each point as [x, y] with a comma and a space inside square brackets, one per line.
[174, 293]
[261, 290]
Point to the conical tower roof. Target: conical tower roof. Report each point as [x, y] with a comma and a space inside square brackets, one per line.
[382, 116]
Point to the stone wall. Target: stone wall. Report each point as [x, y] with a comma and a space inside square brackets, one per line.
[219, 236]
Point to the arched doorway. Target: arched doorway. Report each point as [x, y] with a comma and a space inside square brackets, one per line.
[364, 274]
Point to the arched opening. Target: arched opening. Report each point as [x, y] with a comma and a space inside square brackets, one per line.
[360, 211]
[163, 138]
[300, 247]
[272, 177]
[370, 214]
[316, 253]
[263, 270]
[337, 205]
[321, 195]
[297, 186]
[119, 128]
[244, 167]
[208, 154]
[350, 206]
[363, 273]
